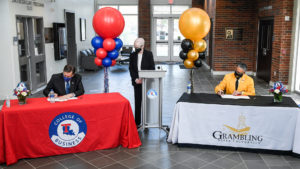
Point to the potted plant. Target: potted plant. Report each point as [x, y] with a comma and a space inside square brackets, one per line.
[21, 92]
[277, 90]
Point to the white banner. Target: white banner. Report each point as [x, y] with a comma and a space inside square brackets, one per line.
[234, 126]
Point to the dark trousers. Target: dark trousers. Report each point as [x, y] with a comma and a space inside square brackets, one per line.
[138, 103]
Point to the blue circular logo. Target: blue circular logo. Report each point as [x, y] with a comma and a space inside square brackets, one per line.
[152, 94]
[67, 130]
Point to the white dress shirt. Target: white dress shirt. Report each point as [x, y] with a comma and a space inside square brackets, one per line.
[140, 56]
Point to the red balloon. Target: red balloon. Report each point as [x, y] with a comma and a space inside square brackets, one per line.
[109, 44]
[98, 61]
[101, 53]
[113, 62]
[108, 22]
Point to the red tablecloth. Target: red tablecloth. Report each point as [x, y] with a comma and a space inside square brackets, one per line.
[25, 130]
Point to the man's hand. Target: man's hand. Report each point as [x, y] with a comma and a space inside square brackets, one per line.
[138, 81]
[236, 93]
[55, 95]
[67, 96]
[220, 92]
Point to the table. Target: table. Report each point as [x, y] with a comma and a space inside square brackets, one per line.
[41, 128]
[257, 123]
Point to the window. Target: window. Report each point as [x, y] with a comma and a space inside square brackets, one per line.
[130, 14]
[169, 9]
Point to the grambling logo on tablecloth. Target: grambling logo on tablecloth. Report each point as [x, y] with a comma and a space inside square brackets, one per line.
[239, 134]
[67, 130]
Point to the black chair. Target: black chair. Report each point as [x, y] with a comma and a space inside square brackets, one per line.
[87, 60]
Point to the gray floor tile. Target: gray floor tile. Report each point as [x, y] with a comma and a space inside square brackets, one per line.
[115, 166]
[210, 166]
[194, 162]
[240, 166]
[37, 162]
[102, 161]
[147, 166]
[209, 157]
[280, 167]
[235, 157]
[54, 165]
[120, 156]
[83, 166]
[256, 164]
[180, 157]
[88, 156]
[295, 164]
[20, 165]
[70, 162]
[179, 166]
[133, 162]
[225, 163]
[250, 156]
[163, 163]
[274, 160]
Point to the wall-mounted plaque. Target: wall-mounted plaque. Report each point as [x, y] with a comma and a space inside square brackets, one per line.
[234, 34]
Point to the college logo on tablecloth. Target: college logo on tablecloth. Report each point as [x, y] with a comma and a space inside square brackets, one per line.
[152, 94]
[67, 130]
[239, 134]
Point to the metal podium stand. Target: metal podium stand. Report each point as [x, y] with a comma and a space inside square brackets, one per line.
[152, 99]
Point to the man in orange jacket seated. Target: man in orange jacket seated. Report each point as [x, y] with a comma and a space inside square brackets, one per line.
[237, 83]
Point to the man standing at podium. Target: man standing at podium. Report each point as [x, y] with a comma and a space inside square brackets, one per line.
[140, 59]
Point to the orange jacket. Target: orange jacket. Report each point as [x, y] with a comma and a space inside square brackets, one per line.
[246, 85]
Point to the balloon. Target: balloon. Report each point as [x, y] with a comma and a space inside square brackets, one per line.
[113, 54]
[109, 44]
[101, 53]
[113, 62]
[95, 51]
[200, 45]
[202, 55]
[98, 61]
[108, 22]
[106, 62]
[193, 55]
[183, 55]
[186, 45]
[198, 63]
[97, 42]
[188, 64]
[119, 44]
[194, 23]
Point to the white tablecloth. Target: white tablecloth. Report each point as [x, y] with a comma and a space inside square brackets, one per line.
[257, 127]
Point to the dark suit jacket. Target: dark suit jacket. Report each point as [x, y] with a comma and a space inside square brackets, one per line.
[147, 64]
[57, 83]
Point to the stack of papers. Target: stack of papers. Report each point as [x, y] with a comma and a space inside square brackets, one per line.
[228, 96]
[57, 99]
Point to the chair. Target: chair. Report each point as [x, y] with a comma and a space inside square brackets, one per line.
[87, 60]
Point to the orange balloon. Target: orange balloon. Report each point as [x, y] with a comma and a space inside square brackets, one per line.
[200, 45]
[194, 23]
[193, 55]
[188, 63]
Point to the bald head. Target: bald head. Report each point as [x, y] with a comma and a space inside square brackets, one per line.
[139, 43]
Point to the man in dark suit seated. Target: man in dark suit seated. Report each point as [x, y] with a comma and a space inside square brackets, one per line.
[65, 85]
[141, 59]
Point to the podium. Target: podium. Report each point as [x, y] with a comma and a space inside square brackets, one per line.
[152, 98]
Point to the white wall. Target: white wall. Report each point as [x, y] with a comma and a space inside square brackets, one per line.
[51, 12]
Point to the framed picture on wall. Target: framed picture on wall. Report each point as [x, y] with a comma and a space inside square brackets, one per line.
[82, 29]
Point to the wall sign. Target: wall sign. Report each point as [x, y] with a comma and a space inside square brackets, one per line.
[234, 34]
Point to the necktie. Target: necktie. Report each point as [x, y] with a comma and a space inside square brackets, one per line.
[237, 83]
[68, 87]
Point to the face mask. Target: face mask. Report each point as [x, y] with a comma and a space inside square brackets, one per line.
[238, 75]
[137, 50]
[67, 78]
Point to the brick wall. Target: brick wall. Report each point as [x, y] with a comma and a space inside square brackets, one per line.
[282, 35]
[144, 22]
[234, 14]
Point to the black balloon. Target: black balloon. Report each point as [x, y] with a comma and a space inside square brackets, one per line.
[187, 45]
[202, 55]
[183, 55]
[198, 63]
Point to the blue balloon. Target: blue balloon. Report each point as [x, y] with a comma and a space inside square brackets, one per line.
[106, 62]
[119, 43]
[97, 42]
[113, 54]
[95, 51]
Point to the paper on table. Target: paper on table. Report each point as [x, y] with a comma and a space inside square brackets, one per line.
[229, 96]
[62, 100]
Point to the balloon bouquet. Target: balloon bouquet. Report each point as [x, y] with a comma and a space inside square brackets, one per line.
[108, 23]
[194, 24]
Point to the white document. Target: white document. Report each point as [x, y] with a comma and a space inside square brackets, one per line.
[62, 100]
[229, 96]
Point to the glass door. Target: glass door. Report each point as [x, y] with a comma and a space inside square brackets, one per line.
[31, 52]
[167, 39]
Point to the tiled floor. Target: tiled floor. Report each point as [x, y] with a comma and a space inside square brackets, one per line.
[155, 153]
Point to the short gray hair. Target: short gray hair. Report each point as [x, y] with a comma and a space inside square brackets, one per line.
[140, 42]
[243, 66]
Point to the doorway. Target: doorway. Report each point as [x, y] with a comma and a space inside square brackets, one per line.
[71, 38]
[31, 51]
[166, 39]
[264, 60]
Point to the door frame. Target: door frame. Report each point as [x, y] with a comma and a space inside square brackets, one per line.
[170, 37]
[70, 56]
[257, 46]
